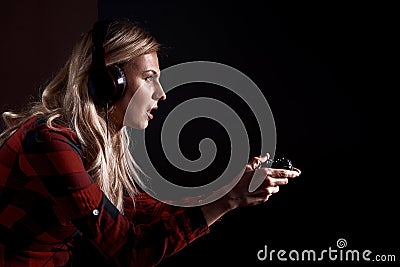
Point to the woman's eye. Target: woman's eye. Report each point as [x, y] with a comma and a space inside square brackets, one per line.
[149, 79]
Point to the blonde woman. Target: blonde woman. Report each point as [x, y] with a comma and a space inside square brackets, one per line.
[66, 174]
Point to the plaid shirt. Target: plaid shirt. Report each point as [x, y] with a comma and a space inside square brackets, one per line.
[48, 202]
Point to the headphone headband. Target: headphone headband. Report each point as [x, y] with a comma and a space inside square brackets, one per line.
[100, 30]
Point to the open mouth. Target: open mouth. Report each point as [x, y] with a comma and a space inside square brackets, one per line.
[149, 115]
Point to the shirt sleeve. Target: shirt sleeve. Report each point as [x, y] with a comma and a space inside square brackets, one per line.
[56, 159]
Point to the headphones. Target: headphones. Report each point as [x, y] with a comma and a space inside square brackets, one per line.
[106, 84]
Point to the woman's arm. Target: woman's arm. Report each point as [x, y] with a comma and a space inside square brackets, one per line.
[269, 180]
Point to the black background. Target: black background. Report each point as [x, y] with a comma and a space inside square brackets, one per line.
[37, 38]
[327, 72]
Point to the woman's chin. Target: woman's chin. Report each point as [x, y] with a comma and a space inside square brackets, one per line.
[137, 125]
[142, 125]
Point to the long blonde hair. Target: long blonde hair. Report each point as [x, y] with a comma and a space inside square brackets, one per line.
[66, 97]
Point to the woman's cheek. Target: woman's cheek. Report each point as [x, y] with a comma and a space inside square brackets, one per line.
[135, 114]
[131, 114]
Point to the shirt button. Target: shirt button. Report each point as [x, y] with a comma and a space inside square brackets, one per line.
[96, 212]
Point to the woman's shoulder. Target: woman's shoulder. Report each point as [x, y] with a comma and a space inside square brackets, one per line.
[42, 131]
[44, 125]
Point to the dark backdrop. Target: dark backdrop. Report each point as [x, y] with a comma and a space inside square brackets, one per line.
[325, 72]
[37, 38]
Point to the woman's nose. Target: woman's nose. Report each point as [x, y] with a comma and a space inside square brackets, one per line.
[159, 93]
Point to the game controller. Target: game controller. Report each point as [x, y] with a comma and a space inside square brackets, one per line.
[279, 163]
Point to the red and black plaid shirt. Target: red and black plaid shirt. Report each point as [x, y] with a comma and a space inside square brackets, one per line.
[48, 201]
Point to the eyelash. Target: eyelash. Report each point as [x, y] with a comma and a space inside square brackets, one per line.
[150, 78]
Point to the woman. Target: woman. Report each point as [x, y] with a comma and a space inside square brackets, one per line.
[66, 183]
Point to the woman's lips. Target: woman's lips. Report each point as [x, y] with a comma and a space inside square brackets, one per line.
[149, 115]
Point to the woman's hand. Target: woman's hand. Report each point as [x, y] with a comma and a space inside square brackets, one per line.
[258, 184]
[265, 180]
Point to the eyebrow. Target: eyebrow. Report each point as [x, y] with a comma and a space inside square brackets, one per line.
[152, 71]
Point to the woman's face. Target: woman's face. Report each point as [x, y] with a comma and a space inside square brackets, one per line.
[143, 91]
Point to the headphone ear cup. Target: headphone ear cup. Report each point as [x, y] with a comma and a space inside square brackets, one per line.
[106, 84]
[118, 78]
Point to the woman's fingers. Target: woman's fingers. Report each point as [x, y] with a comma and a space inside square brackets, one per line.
[263, 158]
[277, 181]
[261, 175]
[296, 170]
[266, 177]
[261, 195]
[269, 181]
[258, 178]
[255, 162]
[282, 173]
[272, 189]
[267, 189]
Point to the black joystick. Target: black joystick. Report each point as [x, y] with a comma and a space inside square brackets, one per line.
[282, 163]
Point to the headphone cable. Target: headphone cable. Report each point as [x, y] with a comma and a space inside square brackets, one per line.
[106, 110]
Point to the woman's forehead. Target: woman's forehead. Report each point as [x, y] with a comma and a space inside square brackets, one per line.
[146, 62]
